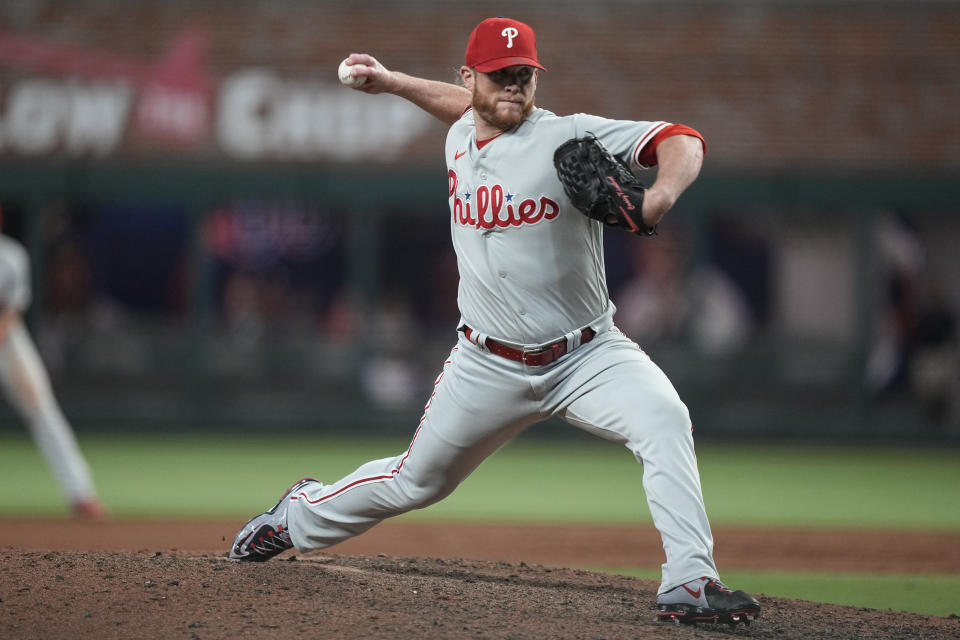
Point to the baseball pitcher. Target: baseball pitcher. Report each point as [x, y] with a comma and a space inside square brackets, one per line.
[530, 195]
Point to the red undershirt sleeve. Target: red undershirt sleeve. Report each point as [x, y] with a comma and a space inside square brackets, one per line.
[647, 156]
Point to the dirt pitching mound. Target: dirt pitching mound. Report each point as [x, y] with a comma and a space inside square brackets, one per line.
[153, 594]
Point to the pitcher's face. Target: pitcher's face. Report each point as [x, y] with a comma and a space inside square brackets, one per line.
[503, 98]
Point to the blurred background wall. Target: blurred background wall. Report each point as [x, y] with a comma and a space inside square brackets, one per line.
[224, 237]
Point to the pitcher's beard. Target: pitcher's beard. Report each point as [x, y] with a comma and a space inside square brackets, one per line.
[486, 106]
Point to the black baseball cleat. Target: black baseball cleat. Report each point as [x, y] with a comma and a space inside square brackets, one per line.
[266, 535]
[706, 600]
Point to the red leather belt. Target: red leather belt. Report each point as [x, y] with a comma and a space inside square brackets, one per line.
[533, 357]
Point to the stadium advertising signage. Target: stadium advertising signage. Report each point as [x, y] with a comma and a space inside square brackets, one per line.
[59, 100]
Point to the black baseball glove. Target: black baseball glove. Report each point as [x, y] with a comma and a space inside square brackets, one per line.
[601, 186]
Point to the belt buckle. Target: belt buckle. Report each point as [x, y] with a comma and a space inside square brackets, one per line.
[528, 352]
[531, 352]
[539, 350]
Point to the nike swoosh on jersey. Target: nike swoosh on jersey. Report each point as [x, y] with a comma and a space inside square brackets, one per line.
[457, 156]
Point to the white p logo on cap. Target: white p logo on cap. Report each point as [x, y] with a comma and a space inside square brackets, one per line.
[510, 33]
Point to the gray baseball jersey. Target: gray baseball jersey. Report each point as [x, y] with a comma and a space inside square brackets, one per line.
[531, 272]
[14, 276]
[531, 266]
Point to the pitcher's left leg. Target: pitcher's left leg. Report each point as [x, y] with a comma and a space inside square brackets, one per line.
[619, 394]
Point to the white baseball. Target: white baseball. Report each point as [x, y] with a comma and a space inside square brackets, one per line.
[344, 74]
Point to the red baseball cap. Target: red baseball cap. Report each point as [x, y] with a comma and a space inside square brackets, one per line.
[501, 42]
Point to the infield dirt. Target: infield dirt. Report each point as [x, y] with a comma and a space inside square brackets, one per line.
[170, 579]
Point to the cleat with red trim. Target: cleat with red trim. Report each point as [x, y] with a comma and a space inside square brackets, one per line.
[266, 535]
[707, 600]
[90, 509]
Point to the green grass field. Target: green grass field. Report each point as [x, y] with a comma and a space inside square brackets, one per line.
[568, 480]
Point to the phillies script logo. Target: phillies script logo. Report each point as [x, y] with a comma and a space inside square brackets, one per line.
[490, 207]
